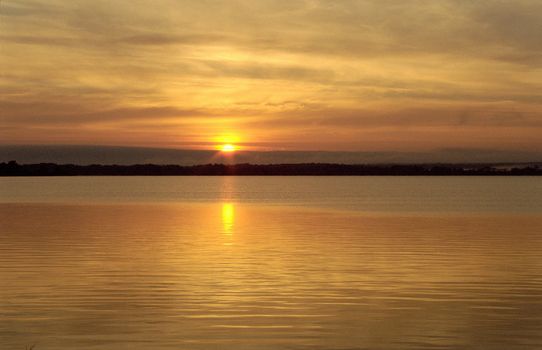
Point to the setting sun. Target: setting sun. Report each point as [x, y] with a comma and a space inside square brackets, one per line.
[228, 148]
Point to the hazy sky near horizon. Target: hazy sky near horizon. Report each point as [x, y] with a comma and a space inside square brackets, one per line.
[373, 75]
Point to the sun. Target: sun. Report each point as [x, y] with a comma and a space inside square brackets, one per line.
[228, 147]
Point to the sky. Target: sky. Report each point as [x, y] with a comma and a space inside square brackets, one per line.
[273, 75]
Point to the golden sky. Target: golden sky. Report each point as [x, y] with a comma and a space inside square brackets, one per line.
[367, 75]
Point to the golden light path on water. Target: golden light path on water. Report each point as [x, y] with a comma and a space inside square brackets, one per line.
[228, 217]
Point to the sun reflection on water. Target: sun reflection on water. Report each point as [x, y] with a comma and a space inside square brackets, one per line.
[228, 217]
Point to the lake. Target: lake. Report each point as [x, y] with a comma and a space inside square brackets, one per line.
[271, 263]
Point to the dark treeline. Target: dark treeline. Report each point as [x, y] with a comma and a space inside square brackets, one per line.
[12, 168]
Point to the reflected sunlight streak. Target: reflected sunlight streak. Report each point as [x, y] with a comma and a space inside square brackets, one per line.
[228, 217]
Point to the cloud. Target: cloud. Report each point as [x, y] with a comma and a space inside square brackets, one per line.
[154, 39]
[268, 71]
[515, 24]
[284, 73]
[421, 116]
[38, 40]
[72, 114]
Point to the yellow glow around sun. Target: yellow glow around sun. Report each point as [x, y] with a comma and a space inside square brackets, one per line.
[228, 147]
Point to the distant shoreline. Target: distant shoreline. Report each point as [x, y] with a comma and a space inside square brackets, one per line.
[12, 168]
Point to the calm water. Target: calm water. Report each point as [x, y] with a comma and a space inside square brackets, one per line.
[271, 263]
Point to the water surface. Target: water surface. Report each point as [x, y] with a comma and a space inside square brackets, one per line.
[271, 263]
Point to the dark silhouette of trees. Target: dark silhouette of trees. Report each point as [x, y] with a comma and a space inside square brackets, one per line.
[12, 168]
